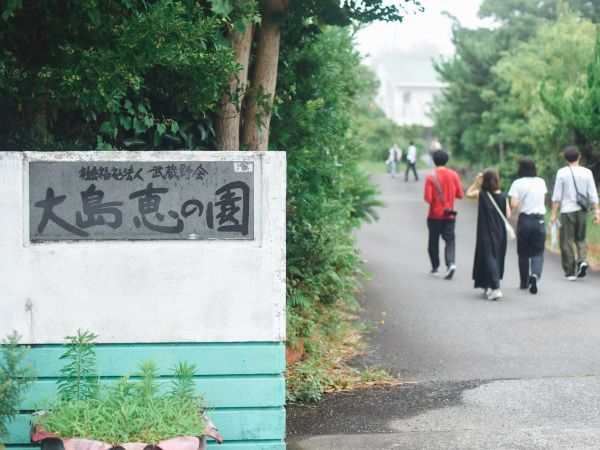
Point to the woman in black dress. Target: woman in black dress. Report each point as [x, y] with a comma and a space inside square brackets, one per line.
[490, 249]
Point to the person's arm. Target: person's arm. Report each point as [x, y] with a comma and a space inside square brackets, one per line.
[473, 191]
[593, 196]
[596, 214]
[428, 189]
[553, 214]
[514, 202]
[507, 209]
[458, 187]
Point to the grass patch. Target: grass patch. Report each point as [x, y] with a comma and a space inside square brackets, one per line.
[336, 338]
[371, 167]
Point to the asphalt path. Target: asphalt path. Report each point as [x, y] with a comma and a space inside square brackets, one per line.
[522, 372]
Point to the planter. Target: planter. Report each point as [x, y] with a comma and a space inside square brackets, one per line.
[50, 441]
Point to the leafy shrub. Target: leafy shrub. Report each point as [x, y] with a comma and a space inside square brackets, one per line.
[16, 376]
[319, 82]
[110, 74]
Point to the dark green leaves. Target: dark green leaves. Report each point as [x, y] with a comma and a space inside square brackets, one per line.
[16, 376]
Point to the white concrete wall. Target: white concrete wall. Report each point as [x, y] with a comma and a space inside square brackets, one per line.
[420, 105]
[144, 291]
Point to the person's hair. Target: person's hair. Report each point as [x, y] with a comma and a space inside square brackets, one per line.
[491, 180]
[440, 157]
[527, 168]
[572, 154]
[411, 143]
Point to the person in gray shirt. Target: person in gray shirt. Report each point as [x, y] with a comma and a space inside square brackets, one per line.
[570, 181]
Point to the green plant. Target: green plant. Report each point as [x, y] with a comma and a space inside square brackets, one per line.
[134, 408]
[78, 377]
[16, 376]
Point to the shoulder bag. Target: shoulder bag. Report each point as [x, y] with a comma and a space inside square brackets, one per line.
[582, 199]
[516, 211]
[510, 231]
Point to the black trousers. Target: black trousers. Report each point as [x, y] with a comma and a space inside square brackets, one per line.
[531, 240]
[444, 228]
[412, 166]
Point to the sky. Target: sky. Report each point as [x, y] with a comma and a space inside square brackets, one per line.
[428, 27]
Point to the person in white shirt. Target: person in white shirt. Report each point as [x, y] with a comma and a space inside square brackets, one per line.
[570, 181]
[528, 193]
[411, 161]
[394, 158]
[434, 147]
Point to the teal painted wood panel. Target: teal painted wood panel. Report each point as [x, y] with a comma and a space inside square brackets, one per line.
[240, 424]
[219, 392]
[252, 358]
[255, 445]
[243, 381]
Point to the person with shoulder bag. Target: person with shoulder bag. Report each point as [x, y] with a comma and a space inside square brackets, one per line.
[574, 190]
[441, 188]
[492, 234]
[527, 199]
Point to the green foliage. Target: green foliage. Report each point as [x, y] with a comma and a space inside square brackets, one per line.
[577, 106]
[136, 408]
[513, 90]
[327, 197]
[320, 82]
[16, 376]
[557, 56]
[108, 74]
[78, 377]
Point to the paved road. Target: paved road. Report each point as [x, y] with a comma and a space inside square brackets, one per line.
[519, 373]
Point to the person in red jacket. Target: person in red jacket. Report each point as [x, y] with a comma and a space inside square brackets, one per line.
[441, 188]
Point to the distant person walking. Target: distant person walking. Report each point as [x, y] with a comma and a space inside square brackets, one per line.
[411, 161]
[527, 197]
[441, 188]
[394, 158]
[433, 147]
[571, 182]
[490, 247]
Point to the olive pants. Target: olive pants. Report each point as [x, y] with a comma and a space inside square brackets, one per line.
[572, 233]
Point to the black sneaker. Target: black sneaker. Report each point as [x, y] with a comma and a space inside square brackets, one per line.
[533, 284]
[581, 268]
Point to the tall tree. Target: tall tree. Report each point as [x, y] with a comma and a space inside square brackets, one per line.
[476, 115]
[557, 56]
[293, 17]
[577, 106]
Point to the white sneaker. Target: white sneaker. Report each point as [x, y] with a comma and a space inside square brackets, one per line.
[486, 292]
[495, 294]
[450, 271]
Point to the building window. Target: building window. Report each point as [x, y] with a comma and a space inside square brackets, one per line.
[406, 104]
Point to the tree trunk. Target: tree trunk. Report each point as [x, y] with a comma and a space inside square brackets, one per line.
[255, 133]
[227, 123]
[501, 151]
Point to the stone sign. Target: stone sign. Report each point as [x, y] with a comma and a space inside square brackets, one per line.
[141, 200]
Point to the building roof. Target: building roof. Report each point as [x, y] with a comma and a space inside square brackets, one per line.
[409, 72]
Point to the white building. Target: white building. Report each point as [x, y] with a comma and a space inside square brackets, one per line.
[409, 85]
